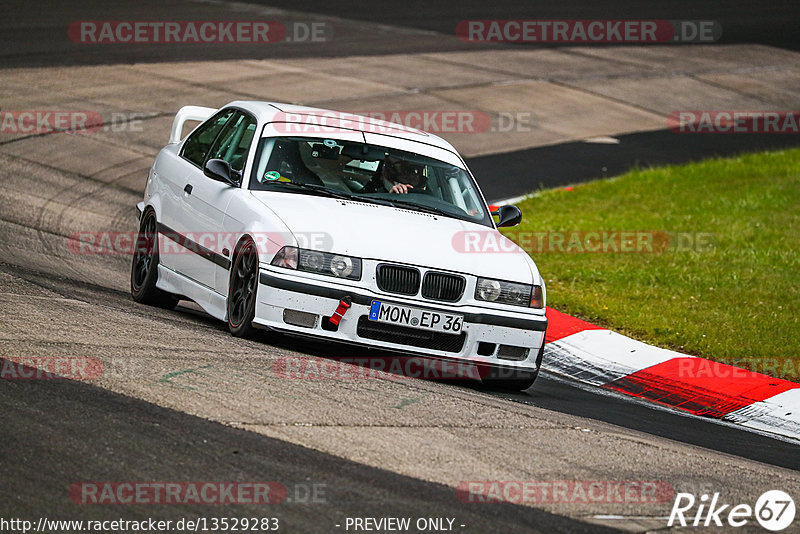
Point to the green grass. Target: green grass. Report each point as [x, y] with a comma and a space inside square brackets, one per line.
[736, 300]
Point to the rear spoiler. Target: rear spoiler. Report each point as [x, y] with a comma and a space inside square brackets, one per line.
[188, 113]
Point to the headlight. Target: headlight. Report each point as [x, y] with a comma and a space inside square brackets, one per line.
[344, 266]
[318, 262]
[488, 290]
[509, 293]
[311, 261]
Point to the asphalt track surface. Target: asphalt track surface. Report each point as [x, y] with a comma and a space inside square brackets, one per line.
[40, 39]
[55, 433]
[36, 37]
[742, 21]
[58, 432]
[517, 173]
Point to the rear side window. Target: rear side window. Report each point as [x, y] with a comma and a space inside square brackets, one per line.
[200, 141]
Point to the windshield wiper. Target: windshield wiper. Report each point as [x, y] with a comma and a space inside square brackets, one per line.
[397, 203]
[319, 189]
[418, 207]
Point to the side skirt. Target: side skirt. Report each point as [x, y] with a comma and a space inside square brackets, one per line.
[212, 302]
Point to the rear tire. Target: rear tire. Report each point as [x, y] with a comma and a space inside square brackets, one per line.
[512, 379]
[144, 266]
[242, 290]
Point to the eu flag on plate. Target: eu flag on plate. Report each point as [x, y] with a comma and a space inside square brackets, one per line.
[374, 310]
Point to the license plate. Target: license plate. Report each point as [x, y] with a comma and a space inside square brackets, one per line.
[383, 312]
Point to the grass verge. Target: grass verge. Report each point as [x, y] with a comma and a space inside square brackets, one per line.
[723, 278]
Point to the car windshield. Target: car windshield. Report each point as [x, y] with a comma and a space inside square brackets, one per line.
[367, 172]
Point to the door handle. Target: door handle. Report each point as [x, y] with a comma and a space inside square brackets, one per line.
[188, 189]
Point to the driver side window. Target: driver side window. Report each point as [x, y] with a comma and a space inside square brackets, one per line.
[233, 144]
[199, 142]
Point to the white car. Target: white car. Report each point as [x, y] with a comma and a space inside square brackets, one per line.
[340, 227]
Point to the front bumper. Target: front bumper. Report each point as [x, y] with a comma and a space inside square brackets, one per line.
[497, 338]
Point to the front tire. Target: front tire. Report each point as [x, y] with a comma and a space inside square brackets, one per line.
[242, 290]
[144, 267]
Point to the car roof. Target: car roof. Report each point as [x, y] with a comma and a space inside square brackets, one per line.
[267, 112]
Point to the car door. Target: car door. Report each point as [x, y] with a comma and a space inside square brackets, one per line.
[173, 207]
[206, 200]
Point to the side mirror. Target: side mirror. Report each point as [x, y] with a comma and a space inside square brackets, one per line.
[509, 216]
[220, 170]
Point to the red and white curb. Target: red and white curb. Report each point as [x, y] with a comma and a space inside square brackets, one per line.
[593, 355]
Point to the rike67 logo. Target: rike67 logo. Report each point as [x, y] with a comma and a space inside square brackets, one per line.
[774, 510]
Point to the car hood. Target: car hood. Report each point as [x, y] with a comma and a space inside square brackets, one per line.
[385, 233]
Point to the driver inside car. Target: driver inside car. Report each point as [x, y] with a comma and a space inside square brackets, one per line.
[397, 176]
